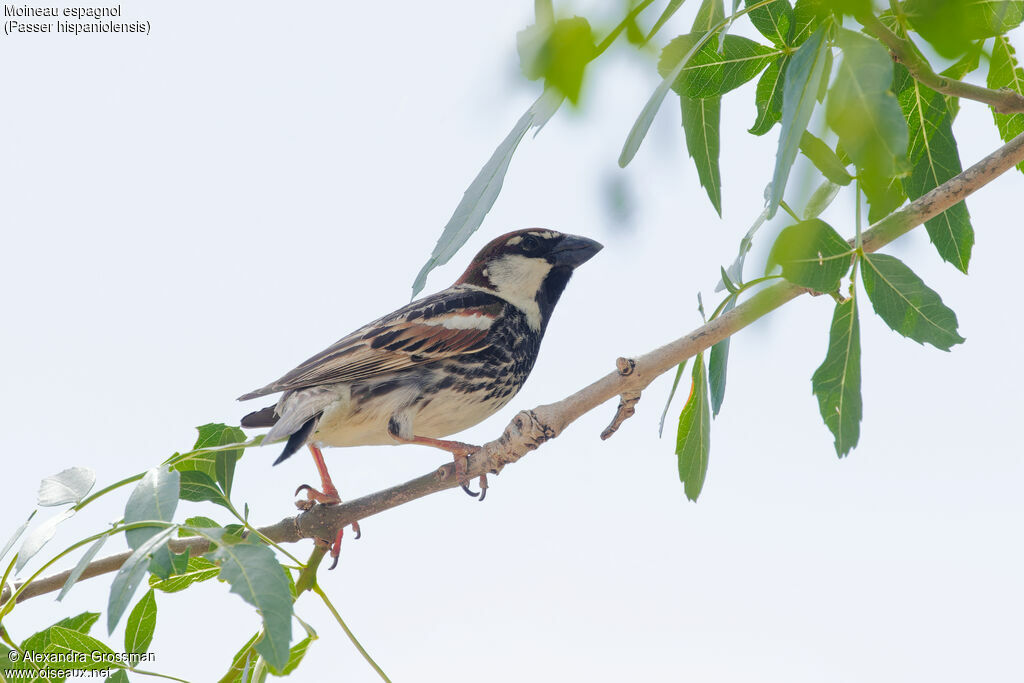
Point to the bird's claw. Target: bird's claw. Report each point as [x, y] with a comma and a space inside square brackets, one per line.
[336, 546]
[328, 496]
[483, 488]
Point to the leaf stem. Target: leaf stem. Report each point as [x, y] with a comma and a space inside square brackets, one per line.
[351, 636]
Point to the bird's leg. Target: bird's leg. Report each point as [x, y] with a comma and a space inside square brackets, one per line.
[460, 453]
[329, 494]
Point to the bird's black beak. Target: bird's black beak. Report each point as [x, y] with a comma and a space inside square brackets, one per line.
[574, 251]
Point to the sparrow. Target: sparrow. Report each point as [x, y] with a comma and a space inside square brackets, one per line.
[434, 367]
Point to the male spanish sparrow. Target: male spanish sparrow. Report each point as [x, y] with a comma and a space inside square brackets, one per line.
[432, 368]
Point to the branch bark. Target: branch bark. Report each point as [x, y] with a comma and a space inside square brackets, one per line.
[905, 52]
[531, 428]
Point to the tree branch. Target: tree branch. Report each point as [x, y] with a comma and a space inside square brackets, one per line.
[905, 52]
[531, 428]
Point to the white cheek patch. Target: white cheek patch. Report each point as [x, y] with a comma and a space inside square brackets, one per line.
[517, 279]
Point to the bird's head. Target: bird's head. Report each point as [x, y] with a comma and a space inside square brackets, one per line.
[529, 269]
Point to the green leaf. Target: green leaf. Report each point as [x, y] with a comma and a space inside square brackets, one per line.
[483, 191]
[693, 438]
[1004, 72]
[254, 573]
[718, 367]
[670, 9]
[799, 93]
[82, 623]
[812, 255]
[295, 655]
[199, 569]
[68, 642]
[951, 25]
[836, 382]
[141, 623]
[824, 159]
[119, 676]
[671, 395]
[906, 304]
[217, 464]
[242, 663]
[81, 566]
[130, 575]
[774, 21]
[197, 523]
[196, 486]
[768, 97]
[934, 160]
[708, 73]
[701, 126]
[808, 15]
[820, 199]
[863, 111]
[884, 195]
[153, 498]
[68, 486]
[558, 53]
[39, 537]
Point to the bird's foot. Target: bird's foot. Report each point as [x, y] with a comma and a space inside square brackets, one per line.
[336, 546]
[329, 496]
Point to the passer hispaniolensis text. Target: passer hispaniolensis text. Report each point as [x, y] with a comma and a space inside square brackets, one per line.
[432, 368]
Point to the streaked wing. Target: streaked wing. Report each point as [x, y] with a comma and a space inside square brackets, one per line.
[443, 325]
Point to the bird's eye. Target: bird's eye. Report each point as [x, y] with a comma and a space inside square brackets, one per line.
[530, 243]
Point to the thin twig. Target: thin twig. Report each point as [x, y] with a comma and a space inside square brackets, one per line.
[529, 429]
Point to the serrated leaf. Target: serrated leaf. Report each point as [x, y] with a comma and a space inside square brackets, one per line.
[483, 191]
[39, 537]
[153, 498]
[68, 486]
[812, 255]
[768, 96]
[701, 126]
[824, 159]
[82, 623]
[81, 566]
[198, 522]
[1004, 72]
[67, 642]
[130, 575]
[253, 572]
[836, 382]
[693, 438]
[935, 159]
[209, 456]
[16, 535]
[708, 73]
[906, 304]
[807, 17]
[774, 21]
[198, 569]
[863, 111]
[718, 367]
[141, 624]
[820, 199]
[799, 97]
[196, 486]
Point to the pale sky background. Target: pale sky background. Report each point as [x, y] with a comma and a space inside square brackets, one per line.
[190, 214]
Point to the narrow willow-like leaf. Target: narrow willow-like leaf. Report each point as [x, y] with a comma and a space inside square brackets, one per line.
[196, 486]
[295, 655]
[39, 537]
[812, 255]
[84, 562]
[820, 199]
[768, 96]
[483, 191]
[253, 572]
[242, 662]
[671, 395]
[198, 569]
[906, 304]
[935, 159]
[693, 438]
[69, 486]
[130, 575]
[709, 73]
[16, 535]
[153, 498]
[701, 120]
[774, 21]
[836, 382]
[670, 9]
[824, 159]
[1004, 72]
[799, 96]
[718, 367]
[141, 624]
